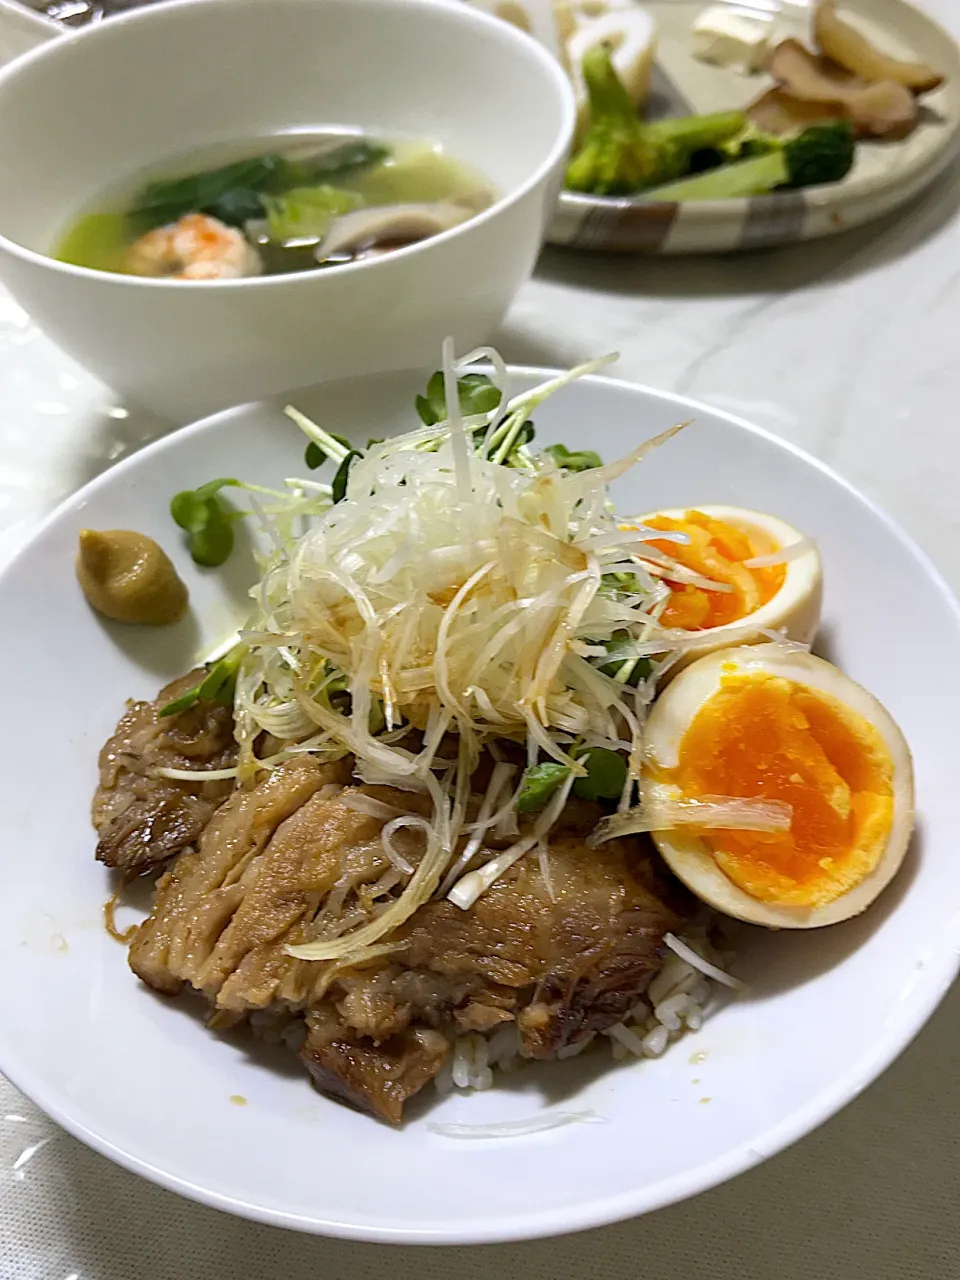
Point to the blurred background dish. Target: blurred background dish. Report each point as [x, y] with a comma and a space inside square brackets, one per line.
[180, 350]
[680, 58]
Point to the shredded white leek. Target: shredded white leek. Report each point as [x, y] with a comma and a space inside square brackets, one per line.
[198, 775]
[783, 641]
[465, 591]
[664, 808]
[445, 595]
[694, 958]
[465, 893]
[360, 803]
[784, 555]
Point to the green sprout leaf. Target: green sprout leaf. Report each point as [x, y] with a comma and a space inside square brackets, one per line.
[212, 545]
[584, 460]
[428, 416]
[343, 472]
[538, 785]
[606, 774]
[206, 522]
[477, 394]
[315, 457]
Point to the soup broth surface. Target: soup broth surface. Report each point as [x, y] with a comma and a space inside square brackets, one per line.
[287, 203]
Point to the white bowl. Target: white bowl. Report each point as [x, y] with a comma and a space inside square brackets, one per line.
[143, 1081]
[90, 109]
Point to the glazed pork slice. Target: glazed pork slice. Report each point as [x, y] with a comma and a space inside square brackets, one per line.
[573, 959]
[235, 894]
[372, 1076]
[561, 960]
[143, 820]
[562, 966]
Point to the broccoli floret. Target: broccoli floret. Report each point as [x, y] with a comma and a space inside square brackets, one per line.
[620, 155]
[821, 154]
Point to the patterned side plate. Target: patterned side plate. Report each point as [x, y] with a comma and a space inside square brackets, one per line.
[886, 174]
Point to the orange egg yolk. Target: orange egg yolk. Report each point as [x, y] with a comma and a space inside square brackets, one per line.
[716, 550]
[765, 736]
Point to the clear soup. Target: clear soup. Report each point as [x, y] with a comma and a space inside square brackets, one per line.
[291, 204]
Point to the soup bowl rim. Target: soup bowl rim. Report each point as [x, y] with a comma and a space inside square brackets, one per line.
[470, 17]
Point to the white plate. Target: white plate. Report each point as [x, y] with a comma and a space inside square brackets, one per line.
[140, 1079]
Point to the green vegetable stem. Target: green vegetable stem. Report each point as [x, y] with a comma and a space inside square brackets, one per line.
[239, 192]
[351, 158]
[167, 200]
[315, 455]
[620, 155]
[218, 685]
[822, 153]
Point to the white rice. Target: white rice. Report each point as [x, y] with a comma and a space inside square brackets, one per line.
[469, 1066]
[677, 1001]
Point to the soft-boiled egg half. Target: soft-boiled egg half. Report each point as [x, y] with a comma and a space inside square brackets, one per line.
[770, 723]
[765, 576]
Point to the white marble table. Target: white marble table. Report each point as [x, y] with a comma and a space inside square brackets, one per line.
[848, 348]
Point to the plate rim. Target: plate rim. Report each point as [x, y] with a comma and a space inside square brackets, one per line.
[939, 972]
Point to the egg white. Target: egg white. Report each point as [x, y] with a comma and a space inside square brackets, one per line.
[689, 857]
[794, 609]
